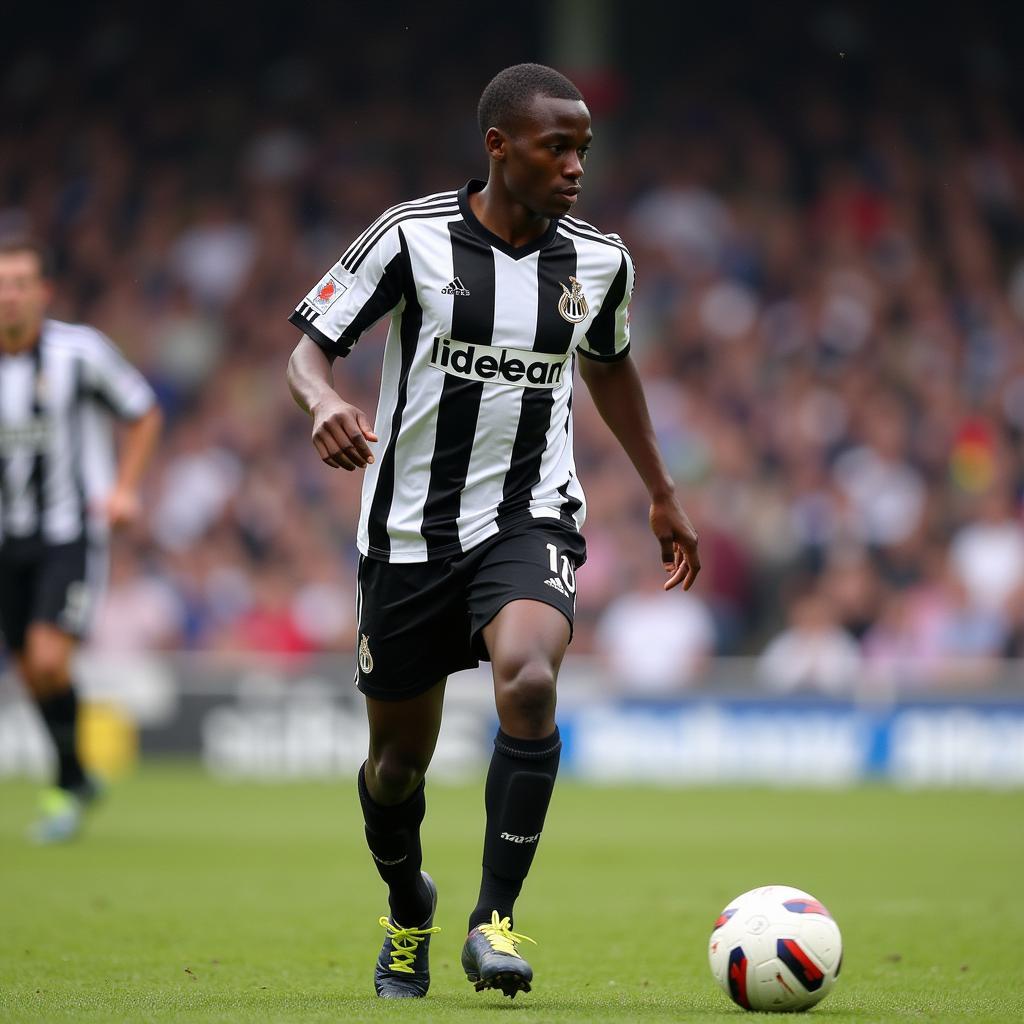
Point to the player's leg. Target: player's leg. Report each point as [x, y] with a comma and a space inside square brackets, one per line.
[526, 641]
[45, 602]
[522, 604]
[413, 630]
[403, 735]
[45, 664]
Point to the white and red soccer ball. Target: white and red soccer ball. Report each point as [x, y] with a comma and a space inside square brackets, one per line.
[775, 949]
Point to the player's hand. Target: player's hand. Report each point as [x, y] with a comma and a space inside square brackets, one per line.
[122, 506]
[678, 540]
[340, 434]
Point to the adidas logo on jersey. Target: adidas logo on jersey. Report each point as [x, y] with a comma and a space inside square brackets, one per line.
[455, 287]
[498, 365]
[556, 584]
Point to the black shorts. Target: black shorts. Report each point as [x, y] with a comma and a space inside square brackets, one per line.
[54, 583]
[420, 622]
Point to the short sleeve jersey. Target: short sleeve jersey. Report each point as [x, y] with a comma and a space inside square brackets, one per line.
[474, 417]
[57, 455]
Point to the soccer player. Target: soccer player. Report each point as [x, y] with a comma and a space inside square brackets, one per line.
[471, 508]
[60, 385]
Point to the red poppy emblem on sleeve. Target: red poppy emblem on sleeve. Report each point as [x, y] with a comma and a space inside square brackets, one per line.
[325, 294]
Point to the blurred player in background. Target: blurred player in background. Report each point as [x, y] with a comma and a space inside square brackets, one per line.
[61, 489]
[471, 508]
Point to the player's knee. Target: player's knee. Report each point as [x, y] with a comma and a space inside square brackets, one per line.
[395, 775]
[527, 695]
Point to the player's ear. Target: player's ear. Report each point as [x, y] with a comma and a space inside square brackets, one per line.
[496, 143]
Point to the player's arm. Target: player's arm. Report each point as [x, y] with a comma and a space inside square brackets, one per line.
[137, 446]
[366, 284]
[612, 379]
[121, 389]
[340, 430]
[619, 398]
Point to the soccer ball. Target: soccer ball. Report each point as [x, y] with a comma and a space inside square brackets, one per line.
[775, 949]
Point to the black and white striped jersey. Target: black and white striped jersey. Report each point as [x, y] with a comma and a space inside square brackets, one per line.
[474, 417]
[57, 455]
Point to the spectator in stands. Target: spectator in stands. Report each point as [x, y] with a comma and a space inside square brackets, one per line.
[814, 653]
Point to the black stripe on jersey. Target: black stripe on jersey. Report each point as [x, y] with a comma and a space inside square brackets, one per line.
[307, 312]
[446, 207]
[584, 230]
[601, 336]
[390, 212]
[569, 508]
[567, 513]
[384, 492]
[385, 296]
[459, 405]
[555, 265]
[81, 392]
[36, 478]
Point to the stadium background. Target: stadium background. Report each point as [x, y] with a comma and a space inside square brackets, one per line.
[827, 214]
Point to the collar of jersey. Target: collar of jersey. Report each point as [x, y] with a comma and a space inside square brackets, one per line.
[516, 252]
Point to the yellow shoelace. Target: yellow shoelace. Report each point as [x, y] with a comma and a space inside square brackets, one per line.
[501, 937]
[56, 801]
[404, 943]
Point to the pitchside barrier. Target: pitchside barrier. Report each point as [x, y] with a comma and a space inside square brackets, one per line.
[272, 718]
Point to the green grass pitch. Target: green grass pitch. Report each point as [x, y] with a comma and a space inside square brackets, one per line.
[195, 900]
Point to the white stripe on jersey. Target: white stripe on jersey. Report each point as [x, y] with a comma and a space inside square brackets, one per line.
[515, 299]
[464, 449]
[56, 445]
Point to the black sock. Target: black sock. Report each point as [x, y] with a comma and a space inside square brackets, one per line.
[393, 836]
[519, 784]
[60, 713]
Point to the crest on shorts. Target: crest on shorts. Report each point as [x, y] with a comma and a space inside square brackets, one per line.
[572, 306]
[365, 658]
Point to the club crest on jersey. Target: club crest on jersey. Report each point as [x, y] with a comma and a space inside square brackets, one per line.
[323, 296]
[572, 306]
[365, 658]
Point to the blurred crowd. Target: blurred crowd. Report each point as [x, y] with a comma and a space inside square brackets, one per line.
[829, 318]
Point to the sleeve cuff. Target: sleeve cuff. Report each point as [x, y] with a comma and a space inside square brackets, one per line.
[330, 348]
[600, 357]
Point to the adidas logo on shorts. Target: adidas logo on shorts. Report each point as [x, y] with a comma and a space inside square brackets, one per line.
[556, 584]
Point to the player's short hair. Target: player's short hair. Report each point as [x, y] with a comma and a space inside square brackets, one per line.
[510, 91]
[11, 244]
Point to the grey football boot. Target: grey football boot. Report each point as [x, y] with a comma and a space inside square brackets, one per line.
[491, 958]
[403, 966]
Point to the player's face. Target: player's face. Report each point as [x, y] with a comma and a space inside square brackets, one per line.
[24, 294]
[545, 156]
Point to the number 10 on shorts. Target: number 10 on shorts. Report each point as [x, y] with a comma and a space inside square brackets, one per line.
[568, 574]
